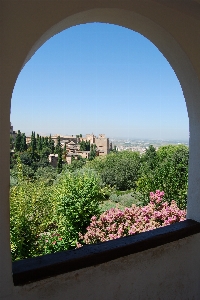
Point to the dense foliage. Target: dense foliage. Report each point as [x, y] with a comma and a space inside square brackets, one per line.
[116, 223]
[46, 218]
[35, 154]
[165, 169]
[53, 209]
[31, 212]
[78, 195]
[119, 170]
[85, 145]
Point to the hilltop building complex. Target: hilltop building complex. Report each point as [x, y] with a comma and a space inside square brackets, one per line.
[72, 144]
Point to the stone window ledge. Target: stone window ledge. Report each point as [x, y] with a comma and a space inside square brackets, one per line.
[34, 269]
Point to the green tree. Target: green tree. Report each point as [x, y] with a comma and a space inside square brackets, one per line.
[28, 172]
[26, 158]
[39, 143]
[82, 146]
[58, 150]
[37, 140]
[170, 174]
[46, 142]
[43, 162]
[76, 164]
[51, 144]
[121, 170]
[29, 164]
[93, 152]
[85, 145]
[64, 150]
[23, 143]
[78, 194]
[18, 141]
[45, 152]
[33, 145]
[59, 165]
[42, 141]
[32, 209]
[58, 145]
[149, 158]
[46, 174]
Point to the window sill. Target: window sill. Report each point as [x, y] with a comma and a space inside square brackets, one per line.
[34, 269]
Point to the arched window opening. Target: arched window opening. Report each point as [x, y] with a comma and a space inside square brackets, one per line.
[88, 87]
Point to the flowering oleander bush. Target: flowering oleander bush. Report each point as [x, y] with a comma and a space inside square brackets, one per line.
[116, 223]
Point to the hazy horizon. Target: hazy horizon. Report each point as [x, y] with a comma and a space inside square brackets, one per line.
[28, 134]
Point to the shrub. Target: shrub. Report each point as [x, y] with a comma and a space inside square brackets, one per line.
[76, 164]
[46, 174]
[78, 196]
[126, 199]
[31, 212]
[119, 170]
[116, 223]
[168, 172]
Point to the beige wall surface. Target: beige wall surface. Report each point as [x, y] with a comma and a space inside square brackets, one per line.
[174, 27]
[166, 272]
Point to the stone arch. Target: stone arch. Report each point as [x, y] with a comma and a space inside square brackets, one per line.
[172, 51]
[172, 26]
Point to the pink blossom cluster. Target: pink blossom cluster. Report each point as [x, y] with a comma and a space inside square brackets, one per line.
[115, 223]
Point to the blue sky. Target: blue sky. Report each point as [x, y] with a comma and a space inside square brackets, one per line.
[100, 78]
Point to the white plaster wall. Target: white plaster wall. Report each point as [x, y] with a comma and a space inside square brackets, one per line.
[167, 272]
[174, 27]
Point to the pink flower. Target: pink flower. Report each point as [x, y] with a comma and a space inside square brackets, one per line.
[116, 223]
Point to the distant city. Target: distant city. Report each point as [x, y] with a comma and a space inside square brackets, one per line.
[141, 144]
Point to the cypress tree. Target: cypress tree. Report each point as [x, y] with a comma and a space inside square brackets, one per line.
[18, 141]
[39, 144]
[23, 143]
[33, 144]
[42, 142]
[83, 146]
[59, 166]
[51, 144]
[92, 152]
[58, 150]
[46, 142]
[37, 141]
[87, 146]
[58, 145]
